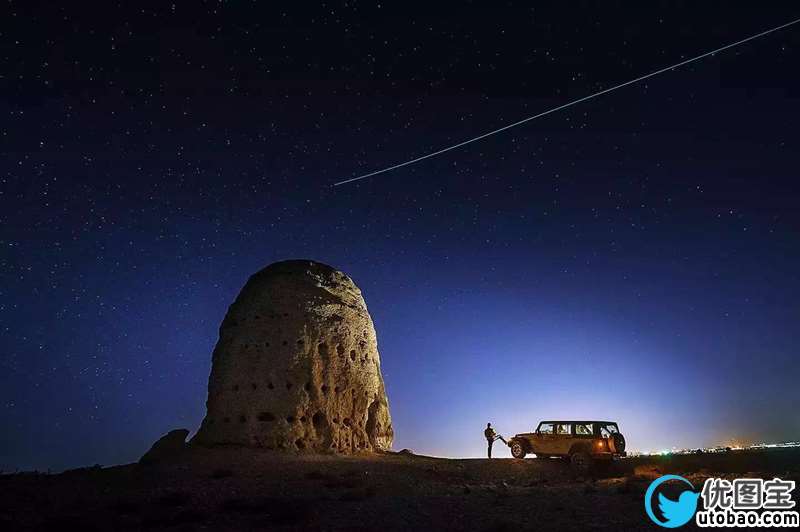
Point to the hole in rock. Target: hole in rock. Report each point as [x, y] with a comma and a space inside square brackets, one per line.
[307, 386]
[322, 429]
[254, 385]
[285, 342]
[300, 342]
[347, 421]
[324, 388]
[300, 444]
[288, 385]
[290, 419]
[266, 416]
[340, 350]
[270, 386]
[353, 355]
[303, 419]
[335, 389]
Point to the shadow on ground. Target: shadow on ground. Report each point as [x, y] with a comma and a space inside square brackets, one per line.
[243, 489]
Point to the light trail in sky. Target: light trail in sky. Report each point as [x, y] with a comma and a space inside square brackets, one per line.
[564, 106]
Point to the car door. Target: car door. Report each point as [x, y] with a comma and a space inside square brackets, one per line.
[562, 440]
[544, 440]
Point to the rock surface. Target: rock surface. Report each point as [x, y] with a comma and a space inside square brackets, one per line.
[168, 446]
[297, 367]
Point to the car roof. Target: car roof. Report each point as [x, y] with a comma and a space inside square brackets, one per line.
[565, 421]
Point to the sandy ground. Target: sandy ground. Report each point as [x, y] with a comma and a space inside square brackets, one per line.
[239, 489]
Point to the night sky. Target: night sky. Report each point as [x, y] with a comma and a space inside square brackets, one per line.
[633, 258]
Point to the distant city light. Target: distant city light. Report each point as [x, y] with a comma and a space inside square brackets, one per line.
[718, 449]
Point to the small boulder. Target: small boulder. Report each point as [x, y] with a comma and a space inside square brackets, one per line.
[168, 446]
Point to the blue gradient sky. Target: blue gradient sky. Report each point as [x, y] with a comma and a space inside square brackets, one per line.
[634, 259]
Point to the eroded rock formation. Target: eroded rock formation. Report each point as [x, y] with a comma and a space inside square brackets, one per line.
[166, 448]
[296, 366]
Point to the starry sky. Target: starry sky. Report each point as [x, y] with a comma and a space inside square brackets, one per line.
[633, 258]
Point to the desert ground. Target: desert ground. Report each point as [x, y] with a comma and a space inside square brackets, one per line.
[245, 489]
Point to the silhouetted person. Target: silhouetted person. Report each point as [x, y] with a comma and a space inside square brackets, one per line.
[491, 436]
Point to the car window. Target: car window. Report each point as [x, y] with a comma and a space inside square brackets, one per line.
[583, 430]
[546, 428]
[562, 429]
[607, 430]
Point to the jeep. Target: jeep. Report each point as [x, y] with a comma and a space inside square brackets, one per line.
[582, 442]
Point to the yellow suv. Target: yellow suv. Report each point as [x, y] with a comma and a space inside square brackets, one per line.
[580, 441]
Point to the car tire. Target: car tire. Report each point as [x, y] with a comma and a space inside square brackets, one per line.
[581, 462]
[619, 442]
[518, 449]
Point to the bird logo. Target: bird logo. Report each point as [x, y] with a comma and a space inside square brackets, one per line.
[676, 513]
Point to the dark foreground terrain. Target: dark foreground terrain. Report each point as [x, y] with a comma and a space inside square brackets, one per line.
[236, 489]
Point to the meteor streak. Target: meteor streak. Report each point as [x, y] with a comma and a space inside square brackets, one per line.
[564, 106]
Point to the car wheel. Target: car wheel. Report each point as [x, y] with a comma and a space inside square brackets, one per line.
[580, 461]
[517, 449]
[619, 442]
